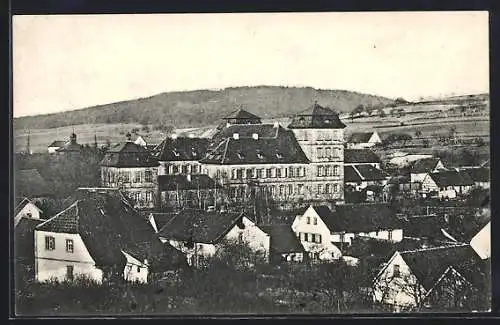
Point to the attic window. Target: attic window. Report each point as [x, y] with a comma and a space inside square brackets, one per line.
[102, 211]
[327, 121]
[260, 155]
[279, 155]
[240, 155]
[176, 153]
[194, 152]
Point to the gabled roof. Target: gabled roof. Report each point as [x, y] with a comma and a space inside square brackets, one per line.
[360, 137]
[486, 164]
[283, 148]
[29, 183]
[57, 143]
[182, 149]
[353, 156]
[200, 226]
[283, 239]
[428, 226]
[355, 218]
[424, 165]
[430, 263]
[370, 173]
[351, 175]
[317, 117]
[70, 146]
[481, 174]
[451, 178]
[323, 211]
[242, 114]
[22, 204]
[181, 182]
[161, 219]
[128, 154]
[107, 224]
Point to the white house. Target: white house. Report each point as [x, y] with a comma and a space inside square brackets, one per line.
[406, 279]
[98, 236]
[420, 168]
[26, 209]
[200, 234]
[360, 140]
[56, 145]
[446, 184]
[479, 175]
[325, 233]
[362, 176]
[481, 242]
[140, 141]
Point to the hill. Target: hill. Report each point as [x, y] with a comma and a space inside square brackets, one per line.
[203, 107]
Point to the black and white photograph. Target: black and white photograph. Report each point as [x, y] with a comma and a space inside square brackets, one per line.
[300, 163]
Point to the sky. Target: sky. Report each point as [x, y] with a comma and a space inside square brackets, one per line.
[67, 62]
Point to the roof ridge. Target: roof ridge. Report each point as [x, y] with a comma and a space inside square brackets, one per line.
[434, 248]
[58, 214]
[225, 150]
[357, 172]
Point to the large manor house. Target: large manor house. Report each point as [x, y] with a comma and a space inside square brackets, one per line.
[303, 162]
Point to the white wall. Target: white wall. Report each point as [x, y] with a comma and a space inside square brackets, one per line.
[52, 264]
[29, 208]
[481, 242]
[52, 149]
[135, 270]
[326, 249]
[253, 236]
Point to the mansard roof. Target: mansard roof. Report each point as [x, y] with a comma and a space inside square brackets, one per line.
[182, 149]
[317, 117]
[128, 154]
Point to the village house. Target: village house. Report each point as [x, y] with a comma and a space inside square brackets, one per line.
[403, 159]
[479, 175]
[303, 162]
[188, 191]
[420, 168]
[360, 140]
[361, 157]
[71, 149]
[200, 234]
[132, 169]
[180, 155]
[141, 141]
[446, 184]
[359, 177]
[99, 236]
[408, 277]
[55, 145]
[241, 116]
[284, 246]
[324, 232]
[26, 209]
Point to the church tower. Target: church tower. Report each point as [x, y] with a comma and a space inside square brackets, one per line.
[320, 134]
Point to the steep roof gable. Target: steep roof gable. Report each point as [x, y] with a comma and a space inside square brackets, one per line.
[424, 165]
[182, 149]
[283, 239]
[317, 117]
[241, 114]
[57, 143]
[128, 154]
[356, 218]
[451, 178]
[360, 137]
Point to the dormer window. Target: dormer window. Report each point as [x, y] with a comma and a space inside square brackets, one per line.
[279, 155]
[176, 153]
[240, 155]
[327, 121]
[260, 155]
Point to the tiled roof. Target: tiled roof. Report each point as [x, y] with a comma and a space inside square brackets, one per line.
[107, 224]
[283, 148]
[182, 149]
[424, 165]
[362, 218]
[57, 143]
[351, 176]
[323, 211]
[481, 174]
[360, 137]
[283, 239]
[353, 156]
[128, 154]
[370, 173]
[317, 117]
[429, 264]
[425, 227]
[181, 182]
[29, 183]
[451, 178]
[200, 226]
[161, 219]
[242, 114]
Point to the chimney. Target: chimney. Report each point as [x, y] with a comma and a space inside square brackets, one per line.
[255, 136]
[174, 136]
[276, 124]
[236, 136]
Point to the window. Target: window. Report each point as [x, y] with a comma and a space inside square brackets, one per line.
[50, 243]
[148, 176]
[254, 173]
[175, 169]
[125, 177]
[335, 188]
[306, 237]
[318, 239]
[268, 173]
[282, 190]
[336, 170]
[389, 235]
[262, 173]
[260, 155]
[69, 272]
[320, 188]
[396, 272]
[328, 188]
[249, 173]
[240, 237]
[290, 189]
[233, 173]
[320, 171]
[328, 152]
[273, 172]
[313, 238]
[138, 269]
[290, 171]
[149, 196]
[278, 172]
[308, 220]
[300, 188]
[69, 245]
[320, 153]
[328, 171]
[137, 177]
[239, 173]
[315, 221]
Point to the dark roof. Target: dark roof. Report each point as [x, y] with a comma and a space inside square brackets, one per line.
[71, 146]
[107, 224]
[451, 178]
[182, 149]
[428, 226]
[200, 226]
[317, 117]
[282, 148]
[370, 173]
[356, 156]
[57, 143]
[24, 238]
[161, 219]
[241, 114]
[360, 137]
[351, 176]
[481, 174]
[29, 183]
[181, 182]
[361, 218]
[429, 264]
[283, 239]
[128, 154]
[424, 165]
